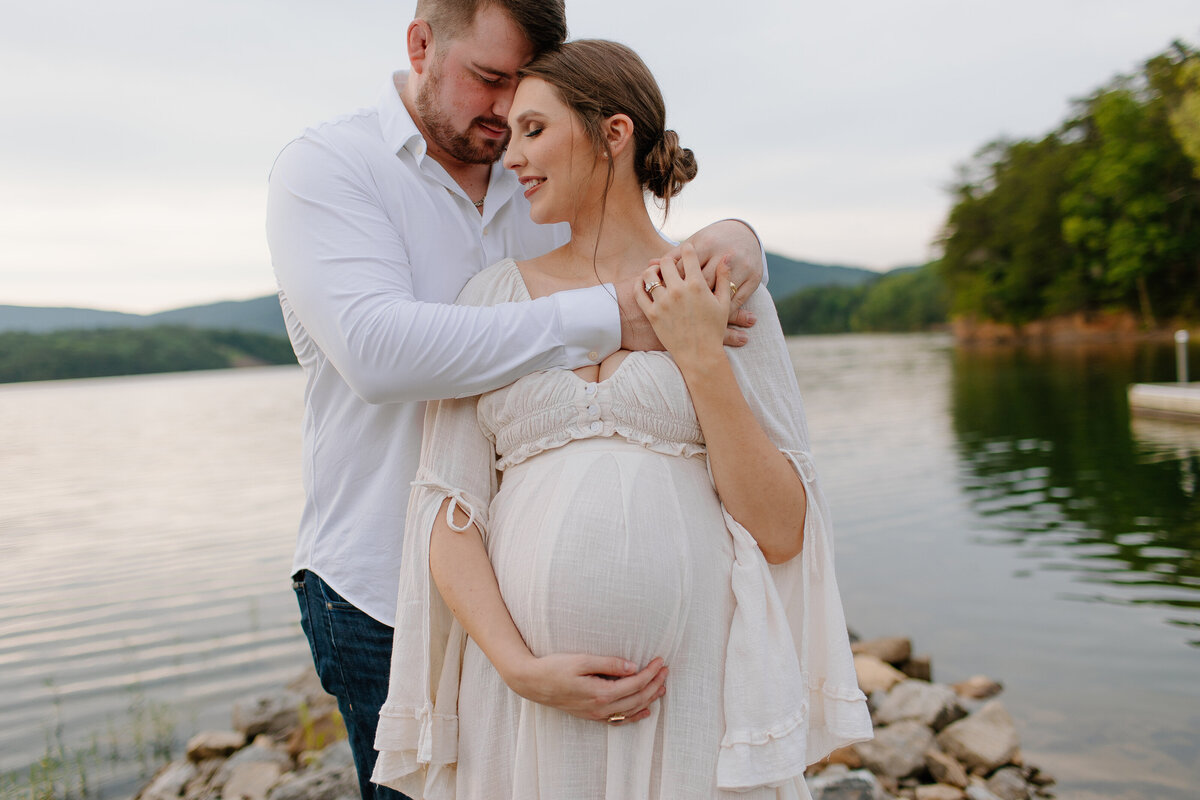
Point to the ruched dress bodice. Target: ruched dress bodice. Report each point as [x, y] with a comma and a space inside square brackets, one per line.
[645, 401]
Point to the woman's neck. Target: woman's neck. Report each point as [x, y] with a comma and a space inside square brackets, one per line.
[615, 240]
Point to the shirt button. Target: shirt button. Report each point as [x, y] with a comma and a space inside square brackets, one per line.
[596, 427]
[594, 410]
[592, 356]
[590, 389]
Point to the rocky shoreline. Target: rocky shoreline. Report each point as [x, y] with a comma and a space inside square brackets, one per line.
[1069, 329]
[932, 742]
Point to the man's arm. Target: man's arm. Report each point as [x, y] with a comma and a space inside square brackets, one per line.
[343, 267]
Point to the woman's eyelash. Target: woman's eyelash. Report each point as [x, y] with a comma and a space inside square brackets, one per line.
[533, 133]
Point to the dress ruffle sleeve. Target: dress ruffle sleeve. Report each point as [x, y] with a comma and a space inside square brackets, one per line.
[417, 738]
[791, 694]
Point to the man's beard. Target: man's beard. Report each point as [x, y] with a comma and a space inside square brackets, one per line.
[459, 144]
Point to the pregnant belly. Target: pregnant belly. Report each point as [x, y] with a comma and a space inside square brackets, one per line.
[601, 546]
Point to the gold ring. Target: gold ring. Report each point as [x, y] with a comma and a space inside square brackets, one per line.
[617, 717]
[650, 287]
[733, 287]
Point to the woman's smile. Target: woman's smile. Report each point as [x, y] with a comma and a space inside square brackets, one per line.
[548, 141]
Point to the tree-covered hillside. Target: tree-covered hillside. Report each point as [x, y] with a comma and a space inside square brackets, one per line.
[125, 351]
[903, 300]
[1102, 214]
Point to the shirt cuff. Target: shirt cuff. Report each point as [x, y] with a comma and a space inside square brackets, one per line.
[590, 320]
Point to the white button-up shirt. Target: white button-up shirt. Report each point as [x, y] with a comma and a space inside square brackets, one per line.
[372, 241]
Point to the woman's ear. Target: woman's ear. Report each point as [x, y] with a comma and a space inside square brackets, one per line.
[618, 132]
[419, 39]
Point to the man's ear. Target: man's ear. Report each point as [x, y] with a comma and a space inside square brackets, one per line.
[618, 132]
[420, 45]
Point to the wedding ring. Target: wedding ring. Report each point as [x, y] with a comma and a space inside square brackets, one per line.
[618, 717]
[733, 287]
[650, 287]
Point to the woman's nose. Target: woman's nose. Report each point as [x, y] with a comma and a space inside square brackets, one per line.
[512, 154]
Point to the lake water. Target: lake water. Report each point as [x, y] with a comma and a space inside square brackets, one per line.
[999, 507]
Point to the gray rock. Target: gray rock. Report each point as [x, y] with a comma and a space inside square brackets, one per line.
[892, 649]
[335, 755]
[274, 713]
[844, 785]
[170, 781]
[939, 791]
[984, 741]
[214, 744]
[931, 704]
[1038, 778]
[255, 754]
[1008, 783]
[318, 784]
[976, 792]
[978, 687]
[918, 667]
[945, 769]
[898, 750]
[875, 675]
[251, 780]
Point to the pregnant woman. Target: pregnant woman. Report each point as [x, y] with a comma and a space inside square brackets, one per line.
[662, 506]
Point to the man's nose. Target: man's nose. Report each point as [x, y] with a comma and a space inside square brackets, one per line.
[503, 102]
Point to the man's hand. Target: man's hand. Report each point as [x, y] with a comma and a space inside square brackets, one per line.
[728, 241]
[734, 241]
[591, 687]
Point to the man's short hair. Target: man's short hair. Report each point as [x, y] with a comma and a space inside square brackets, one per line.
[544, 22]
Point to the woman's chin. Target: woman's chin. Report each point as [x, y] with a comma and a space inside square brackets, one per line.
[543, 216]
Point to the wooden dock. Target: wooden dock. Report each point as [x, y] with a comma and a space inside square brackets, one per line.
[1173, 400]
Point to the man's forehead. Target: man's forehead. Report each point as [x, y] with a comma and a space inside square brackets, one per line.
[494, 43]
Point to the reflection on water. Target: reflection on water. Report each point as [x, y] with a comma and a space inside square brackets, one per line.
[1058, 467]
[145, 534]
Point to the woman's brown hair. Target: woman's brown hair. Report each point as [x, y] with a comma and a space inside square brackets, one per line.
[597, 79]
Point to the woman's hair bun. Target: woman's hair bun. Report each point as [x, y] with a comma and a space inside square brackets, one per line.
[668, 166]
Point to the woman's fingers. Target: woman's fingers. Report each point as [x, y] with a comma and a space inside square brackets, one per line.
[598, 687]
[724, 288]
[690, 264]
[635, 706]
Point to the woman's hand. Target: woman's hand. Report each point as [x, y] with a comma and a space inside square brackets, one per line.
[590, 687]
[688, 318]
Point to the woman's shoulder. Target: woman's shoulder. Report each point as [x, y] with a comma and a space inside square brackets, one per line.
[499, 283]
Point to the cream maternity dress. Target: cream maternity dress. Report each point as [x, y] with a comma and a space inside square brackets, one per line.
[607, 537]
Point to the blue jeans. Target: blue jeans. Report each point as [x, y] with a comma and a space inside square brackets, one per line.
[352, 653]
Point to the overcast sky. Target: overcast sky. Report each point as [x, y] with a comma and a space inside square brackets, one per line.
[136, 135]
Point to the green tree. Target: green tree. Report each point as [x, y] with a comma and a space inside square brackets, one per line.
[1185, 115]
[1101, 213]
[820, 309]
[130, 351]
[1002, 242]
[908, 300]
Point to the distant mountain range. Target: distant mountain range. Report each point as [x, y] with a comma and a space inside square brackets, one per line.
[786, 276]
[262, 314]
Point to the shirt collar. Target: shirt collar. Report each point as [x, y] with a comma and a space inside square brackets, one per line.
[400, 132]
